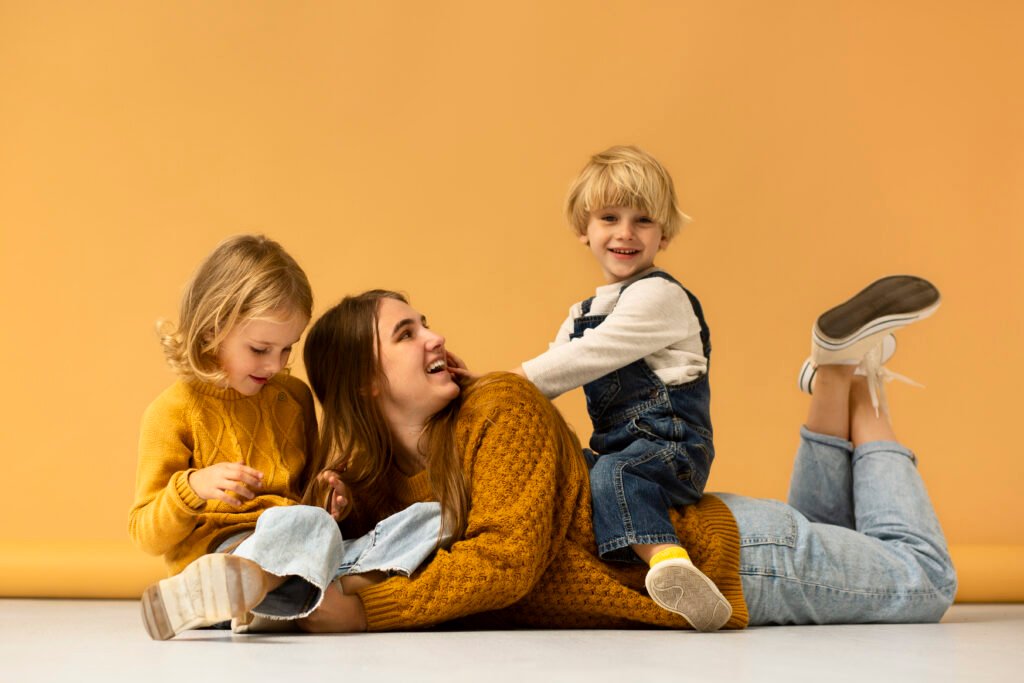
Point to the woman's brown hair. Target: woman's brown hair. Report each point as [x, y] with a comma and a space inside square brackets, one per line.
[342, 358]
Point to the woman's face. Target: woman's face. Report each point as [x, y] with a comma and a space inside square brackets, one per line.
[413, 359]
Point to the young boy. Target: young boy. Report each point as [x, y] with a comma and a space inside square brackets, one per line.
[640, 349]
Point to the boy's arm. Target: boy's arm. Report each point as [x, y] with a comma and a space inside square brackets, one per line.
[649, 316]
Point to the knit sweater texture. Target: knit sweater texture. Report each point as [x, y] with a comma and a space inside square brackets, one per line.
[193, 425]
[528, 557]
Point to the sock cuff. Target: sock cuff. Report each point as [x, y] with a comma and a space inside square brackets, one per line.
[673, 553]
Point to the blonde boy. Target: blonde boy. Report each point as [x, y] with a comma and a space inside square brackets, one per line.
[640, 348]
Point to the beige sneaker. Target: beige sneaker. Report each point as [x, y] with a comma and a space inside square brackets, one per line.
[212, 589]
[678, 586]
[845, 333]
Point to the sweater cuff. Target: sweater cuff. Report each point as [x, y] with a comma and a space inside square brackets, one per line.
[383, 612]
[186, 494]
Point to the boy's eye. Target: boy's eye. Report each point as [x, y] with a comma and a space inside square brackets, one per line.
[258, 352]
[609, 218]
[644, 219]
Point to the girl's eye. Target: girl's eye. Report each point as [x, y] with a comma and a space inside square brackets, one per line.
[258, 352]
[406, 334]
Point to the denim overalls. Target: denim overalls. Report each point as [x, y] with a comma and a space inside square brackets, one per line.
[651, 446]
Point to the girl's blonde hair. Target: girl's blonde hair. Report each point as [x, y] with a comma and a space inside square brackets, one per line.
[246, 277]
[624, 176]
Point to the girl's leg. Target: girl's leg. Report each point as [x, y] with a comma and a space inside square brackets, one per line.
[301, 547]
[821, 486]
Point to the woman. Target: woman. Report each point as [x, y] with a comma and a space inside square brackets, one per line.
[858, 542]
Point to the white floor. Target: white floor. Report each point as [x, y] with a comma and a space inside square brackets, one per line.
[84, 641]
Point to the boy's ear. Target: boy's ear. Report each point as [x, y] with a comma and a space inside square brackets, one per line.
[584, 238]
[664, 243]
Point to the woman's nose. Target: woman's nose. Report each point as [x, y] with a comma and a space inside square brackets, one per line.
[434, 340]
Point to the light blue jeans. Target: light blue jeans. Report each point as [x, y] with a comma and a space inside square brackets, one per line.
[304, 544]
[858, 542]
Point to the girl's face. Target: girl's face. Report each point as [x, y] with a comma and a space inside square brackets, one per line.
[414, 362]
[257, 349]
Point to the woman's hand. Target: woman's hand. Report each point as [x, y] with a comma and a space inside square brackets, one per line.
[229, 482]
[337, 502]
[337, 613]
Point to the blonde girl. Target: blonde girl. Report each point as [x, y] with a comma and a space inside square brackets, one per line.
[228, 451]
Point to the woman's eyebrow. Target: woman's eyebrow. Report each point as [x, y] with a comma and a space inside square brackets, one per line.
[402, 323]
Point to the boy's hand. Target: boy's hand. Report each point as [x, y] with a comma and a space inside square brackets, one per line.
[337, 502]
[229, 482]
[457, 367]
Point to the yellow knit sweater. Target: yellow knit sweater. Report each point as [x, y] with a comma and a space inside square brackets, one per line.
[192, 425]
[528, 557]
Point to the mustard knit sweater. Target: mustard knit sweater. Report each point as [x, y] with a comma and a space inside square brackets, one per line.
[192, 425]
[528, 557]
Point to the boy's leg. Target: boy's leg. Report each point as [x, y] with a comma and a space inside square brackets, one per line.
[631, 492]
[630, 499]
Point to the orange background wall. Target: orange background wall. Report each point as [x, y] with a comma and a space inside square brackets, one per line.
[427, 147]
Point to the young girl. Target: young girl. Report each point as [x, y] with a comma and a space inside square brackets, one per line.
[229, 449]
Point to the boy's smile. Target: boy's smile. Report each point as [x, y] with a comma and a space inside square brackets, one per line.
[624, 241]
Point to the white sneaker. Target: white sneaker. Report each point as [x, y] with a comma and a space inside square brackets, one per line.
[845, 333]
[678, 586]
[214, 588]
[808, 371]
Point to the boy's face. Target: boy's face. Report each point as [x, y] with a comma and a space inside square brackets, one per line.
[624, 241]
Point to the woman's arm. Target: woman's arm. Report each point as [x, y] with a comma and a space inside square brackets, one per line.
[523, 488]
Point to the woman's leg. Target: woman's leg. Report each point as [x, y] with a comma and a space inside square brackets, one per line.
[893, 568]
[821, 486]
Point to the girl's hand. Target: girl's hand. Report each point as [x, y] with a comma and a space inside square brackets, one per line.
[337, 502]
[457, 367]
[229, 482]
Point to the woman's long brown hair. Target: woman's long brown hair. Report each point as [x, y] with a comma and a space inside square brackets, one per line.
[342, 361]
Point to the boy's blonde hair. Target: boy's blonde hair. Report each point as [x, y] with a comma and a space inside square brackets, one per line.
[246, 277]
[624, 176]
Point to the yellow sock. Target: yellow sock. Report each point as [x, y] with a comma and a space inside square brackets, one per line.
[675, 552]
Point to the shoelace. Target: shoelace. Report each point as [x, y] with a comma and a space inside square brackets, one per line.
[877, 375]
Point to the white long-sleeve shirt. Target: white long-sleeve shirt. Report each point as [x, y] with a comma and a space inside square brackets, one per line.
[653, 319]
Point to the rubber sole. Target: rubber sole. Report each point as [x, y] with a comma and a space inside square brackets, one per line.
[885, 304]
[213, 588]
[678, 586]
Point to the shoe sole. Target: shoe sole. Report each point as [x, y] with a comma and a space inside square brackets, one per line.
[213, 588]
[885, 304]
[680, 587]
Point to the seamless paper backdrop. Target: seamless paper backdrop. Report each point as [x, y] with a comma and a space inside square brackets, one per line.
[427, 147]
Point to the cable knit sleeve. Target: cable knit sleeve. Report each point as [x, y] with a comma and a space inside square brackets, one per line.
[515, 464]
[166, 509]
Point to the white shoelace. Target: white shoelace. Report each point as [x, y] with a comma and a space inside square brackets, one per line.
[877, 376]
